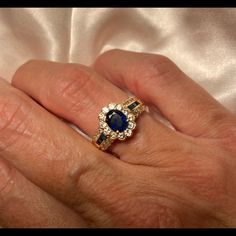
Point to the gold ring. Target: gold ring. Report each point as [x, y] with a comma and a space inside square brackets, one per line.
[117, 122]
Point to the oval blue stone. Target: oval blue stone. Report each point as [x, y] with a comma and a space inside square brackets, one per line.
[117, 120]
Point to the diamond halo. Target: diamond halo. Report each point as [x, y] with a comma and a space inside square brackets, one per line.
[117, 122]
[116, 134]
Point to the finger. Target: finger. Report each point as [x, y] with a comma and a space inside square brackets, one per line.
[23, 204]
[158, 80]
[77, 94]
[53, 155]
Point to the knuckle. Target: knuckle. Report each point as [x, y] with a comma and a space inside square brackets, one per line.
[93, 176]
[159, 68]
[82, 174]
[13, 114]
[72, 79]
[105, 57]
[155, 70]
[73, 84]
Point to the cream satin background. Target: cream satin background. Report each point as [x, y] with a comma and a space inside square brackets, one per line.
[202, 42]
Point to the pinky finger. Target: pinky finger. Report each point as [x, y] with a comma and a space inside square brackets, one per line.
[23, 204]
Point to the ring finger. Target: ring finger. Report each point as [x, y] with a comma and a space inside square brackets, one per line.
[77, 94]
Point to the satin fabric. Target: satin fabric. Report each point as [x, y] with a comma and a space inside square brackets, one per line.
[202, 42]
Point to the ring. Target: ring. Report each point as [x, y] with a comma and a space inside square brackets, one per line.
[117, 122]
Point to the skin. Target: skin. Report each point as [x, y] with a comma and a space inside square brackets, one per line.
[52, 176]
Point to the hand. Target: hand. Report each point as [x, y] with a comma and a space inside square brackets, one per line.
[52, 176]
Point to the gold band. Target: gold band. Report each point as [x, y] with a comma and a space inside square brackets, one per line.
[127, 113]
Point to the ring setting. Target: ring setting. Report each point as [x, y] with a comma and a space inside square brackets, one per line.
[117, 122]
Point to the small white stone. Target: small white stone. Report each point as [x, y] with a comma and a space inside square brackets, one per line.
[113, 135]
[119, 107]
[112, 106]
[101, 116]
[125, 112]
[128, 132]
[105, 110]
[107, 131]
[121, 136]
[131, 125]
[103, 124]
[131, 117]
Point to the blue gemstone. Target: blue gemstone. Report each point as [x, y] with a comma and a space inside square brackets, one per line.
[117, 120]
[101, 138]
[133, 105]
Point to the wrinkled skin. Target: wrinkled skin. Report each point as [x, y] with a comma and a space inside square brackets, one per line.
[52, 176]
